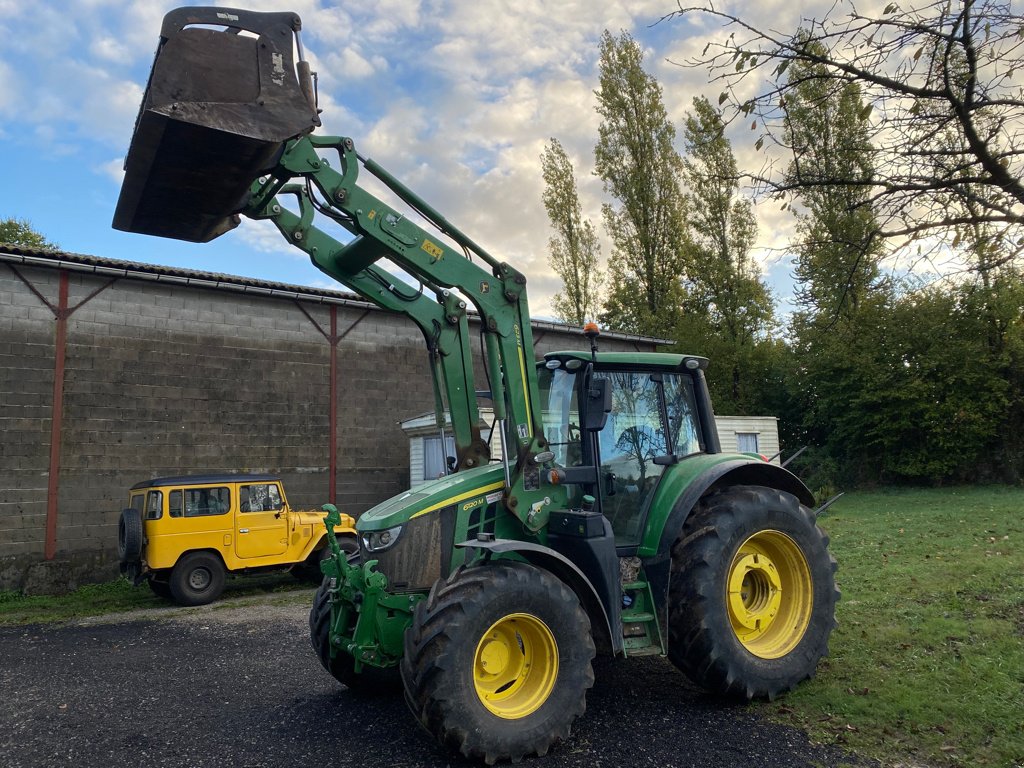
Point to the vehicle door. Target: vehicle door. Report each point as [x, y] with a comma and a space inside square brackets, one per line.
[653, 414]
[261, 525]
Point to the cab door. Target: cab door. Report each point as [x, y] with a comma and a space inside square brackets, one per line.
[653, 414]
[632, 437]
[261, 527]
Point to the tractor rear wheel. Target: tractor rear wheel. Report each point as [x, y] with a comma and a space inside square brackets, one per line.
[752, 596]
[370, 680]
[498, 661]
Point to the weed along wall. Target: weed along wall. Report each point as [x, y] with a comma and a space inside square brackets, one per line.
[113, 372]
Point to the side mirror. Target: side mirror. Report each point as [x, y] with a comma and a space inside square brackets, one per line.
[599, 404]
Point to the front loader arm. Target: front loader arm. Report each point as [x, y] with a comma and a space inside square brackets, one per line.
[225, 126]
[442, 322]
[382, 232]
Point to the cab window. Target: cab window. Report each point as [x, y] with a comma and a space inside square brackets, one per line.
[199, 502]
[635, 435]
[154, 504]
[261, 497]
[561, 414]
[138, 503]
[684, 426]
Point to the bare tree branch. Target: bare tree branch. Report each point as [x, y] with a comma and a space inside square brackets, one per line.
[947, 120]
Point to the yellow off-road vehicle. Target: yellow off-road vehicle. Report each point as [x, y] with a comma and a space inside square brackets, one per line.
[182, 535]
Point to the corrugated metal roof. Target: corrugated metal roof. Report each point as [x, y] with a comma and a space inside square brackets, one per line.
[78, 262]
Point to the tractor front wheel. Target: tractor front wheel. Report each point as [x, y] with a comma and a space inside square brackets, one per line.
[371, 680]
[498, 661]
[752, 596]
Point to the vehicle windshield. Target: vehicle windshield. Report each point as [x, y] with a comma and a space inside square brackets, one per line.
[561, 413]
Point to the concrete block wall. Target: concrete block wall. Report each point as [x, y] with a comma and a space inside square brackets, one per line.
[26, 391]
[164, 379]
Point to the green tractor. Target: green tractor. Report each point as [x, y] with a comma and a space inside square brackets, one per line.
[613, 522]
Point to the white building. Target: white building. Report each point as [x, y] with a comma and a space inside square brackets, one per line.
[737, 434]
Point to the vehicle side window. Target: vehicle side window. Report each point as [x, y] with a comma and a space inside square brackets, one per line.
[138, 502]
[154, 505]
[262, 497]
[631, 439]
[200, 502]
[682, 415]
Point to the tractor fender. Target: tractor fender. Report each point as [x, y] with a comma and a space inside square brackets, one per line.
[564, 570]
[724, 474]
[721, 475]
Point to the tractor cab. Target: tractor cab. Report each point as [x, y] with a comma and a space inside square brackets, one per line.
[614, 421]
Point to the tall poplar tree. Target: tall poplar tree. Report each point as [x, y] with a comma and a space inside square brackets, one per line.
[640, 168]
[827, 129]
[725, 289]
[574, 248]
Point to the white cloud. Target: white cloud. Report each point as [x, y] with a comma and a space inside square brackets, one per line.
[114, 169]
[456, 97]
[8, 88]
[110, 49]
[263, 236]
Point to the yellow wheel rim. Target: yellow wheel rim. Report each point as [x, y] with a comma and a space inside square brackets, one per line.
[515, 666]
[770, 594]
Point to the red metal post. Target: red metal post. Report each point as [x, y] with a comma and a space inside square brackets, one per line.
[57, 416]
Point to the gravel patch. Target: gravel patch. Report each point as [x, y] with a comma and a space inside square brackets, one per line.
[236, 684]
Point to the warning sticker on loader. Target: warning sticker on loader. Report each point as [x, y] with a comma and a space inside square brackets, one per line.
[434, 250]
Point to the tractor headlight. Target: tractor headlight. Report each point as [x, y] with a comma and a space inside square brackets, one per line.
[378, 541]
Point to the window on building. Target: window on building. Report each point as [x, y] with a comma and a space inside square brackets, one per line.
[434, 458]
[746, 442]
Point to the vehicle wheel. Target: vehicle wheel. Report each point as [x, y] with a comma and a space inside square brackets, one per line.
[197, 579]
[371, 680]
[348, 545]
[160, 588]
[752, 596]
[129, 536]
[310, 569]
[498, 661]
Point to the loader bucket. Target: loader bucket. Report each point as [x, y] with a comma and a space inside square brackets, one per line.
[222, 99]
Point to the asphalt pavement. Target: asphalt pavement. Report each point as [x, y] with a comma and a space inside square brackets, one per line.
[236, 684]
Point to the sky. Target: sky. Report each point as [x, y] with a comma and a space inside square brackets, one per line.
[456, 98]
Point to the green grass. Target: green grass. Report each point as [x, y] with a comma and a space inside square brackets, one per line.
[927, 664]
[120, 596]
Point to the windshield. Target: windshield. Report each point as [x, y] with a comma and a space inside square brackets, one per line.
[561, 413]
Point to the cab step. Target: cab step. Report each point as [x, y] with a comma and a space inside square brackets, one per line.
[641, 630]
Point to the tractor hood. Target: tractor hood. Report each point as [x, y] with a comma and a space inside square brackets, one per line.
[463, 487]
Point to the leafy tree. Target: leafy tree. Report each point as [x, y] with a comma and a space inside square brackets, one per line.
[574, 247]
[20, 232]
[726, 293]
[935, 70]
[640, 168]
[826, 129]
